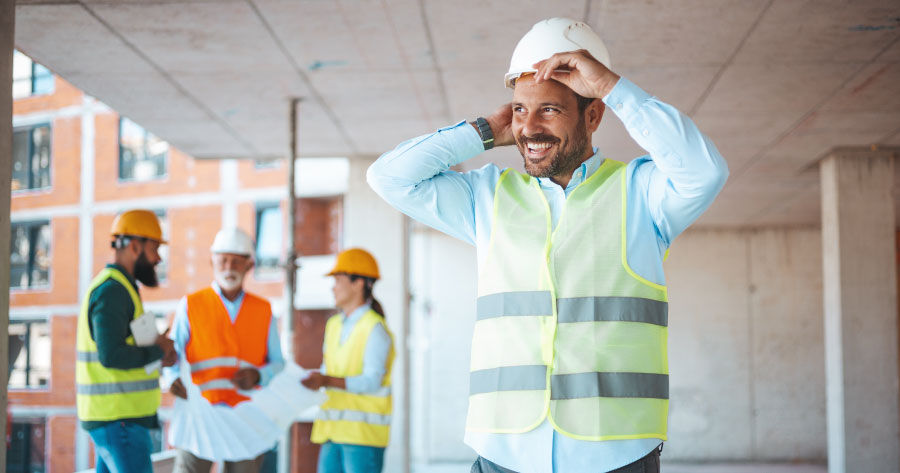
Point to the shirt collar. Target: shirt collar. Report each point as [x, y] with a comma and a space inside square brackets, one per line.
[582, 172]
[128, 276]
[218, 290]
[357, 314]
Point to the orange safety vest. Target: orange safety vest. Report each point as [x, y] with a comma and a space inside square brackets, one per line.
[218, 348]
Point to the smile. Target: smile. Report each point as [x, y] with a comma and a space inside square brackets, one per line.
[536, 151]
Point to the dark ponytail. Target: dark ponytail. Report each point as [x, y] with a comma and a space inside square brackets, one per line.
[367, 293]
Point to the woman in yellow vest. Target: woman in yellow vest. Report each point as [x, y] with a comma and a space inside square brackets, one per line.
[353, 424]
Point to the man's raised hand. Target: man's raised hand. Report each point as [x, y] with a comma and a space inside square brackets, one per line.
[586, 76]
[501, 125]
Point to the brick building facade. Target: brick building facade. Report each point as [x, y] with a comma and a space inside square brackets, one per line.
[77, 163]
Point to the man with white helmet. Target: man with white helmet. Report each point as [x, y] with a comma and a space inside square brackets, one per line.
[229, 339]
[569, 369]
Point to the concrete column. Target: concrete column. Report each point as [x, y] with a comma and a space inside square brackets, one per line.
[372, 224]
[7, 44]
[860, 302]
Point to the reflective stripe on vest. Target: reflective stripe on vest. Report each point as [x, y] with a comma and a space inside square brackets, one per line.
[87, 356]
[218, 348]
[564, 327]
[383, 391]
[569, 386]
[104, 394]
[345, 417]
[114, 388]
[354, 416]
[224, 361]
[574, 309]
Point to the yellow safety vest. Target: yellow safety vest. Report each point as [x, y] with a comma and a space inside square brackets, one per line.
[345, 417]
[107, 393]
[564, 327]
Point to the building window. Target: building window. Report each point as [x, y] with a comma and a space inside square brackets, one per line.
[269, 229]
[29, 77]
[261, 164]
[142, 156]
[162, 269]
[29, 354]
[26, 450]
[29, 258]
[31, 158]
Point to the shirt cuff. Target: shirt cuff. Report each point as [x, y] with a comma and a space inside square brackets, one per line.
[466, 142]
[625, 98]
[169, 375]
[357, 384]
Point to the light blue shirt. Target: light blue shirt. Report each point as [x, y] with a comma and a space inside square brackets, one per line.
[181, 334]
[375, 357]
[667, 190]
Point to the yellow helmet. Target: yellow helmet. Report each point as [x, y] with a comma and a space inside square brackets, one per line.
[139, 223]
[356, 261]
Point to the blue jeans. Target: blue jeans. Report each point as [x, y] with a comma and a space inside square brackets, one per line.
[344, 458]
[122, 447]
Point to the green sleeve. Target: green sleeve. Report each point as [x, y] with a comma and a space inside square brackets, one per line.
[110, 312]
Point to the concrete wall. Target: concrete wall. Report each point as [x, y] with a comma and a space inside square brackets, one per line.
[746, 346]
[444, 291]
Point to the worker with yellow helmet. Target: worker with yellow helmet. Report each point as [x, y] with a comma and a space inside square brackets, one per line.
[353, 425]
[117, 397]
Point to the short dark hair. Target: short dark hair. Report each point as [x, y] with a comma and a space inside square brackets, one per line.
[583, 102]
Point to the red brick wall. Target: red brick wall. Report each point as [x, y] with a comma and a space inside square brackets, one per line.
[61, 443]
[64, 95]
[191, 232]
[184, 174]
[251, 177]
[318, 226]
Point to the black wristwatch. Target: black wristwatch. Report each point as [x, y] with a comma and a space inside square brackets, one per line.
[484, 130]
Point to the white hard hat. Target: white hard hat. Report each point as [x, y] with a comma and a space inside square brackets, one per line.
[232, 240]
[548, 37]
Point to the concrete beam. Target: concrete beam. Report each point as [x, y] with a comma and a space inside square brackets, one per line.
[7, 44]
[860, 305]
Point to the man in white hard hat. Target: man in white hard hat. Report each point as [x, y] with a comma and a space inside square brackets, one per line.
[229, 339]
[569, 370]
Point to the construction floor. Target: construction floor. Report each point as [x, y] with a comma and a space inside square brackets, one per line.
[667, 467]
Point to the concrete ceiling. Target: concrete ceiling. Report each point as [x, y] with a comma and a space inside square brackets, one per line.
[775, 84]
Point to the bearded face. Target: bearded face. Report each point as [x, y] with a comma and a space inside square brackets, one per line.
[145, 271]
[546, 155]
[549, 127]
[230, 269]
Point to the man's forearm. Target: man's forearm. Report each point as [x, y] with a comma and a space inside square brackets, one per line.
[125, 357]
[110, 332]
[415, 179]
[686, 172]
[334, 382]
[674, 142]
